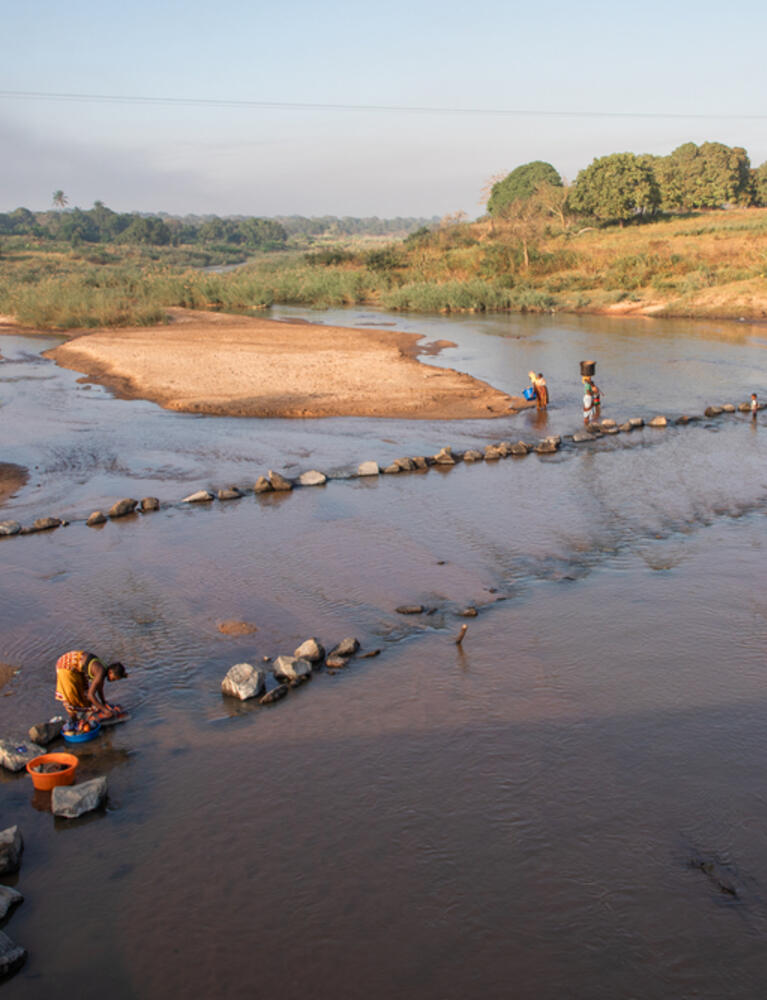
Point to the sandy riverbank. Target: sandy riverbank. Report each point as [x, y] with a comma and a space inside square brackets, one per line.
[12, 478]
[228, 365]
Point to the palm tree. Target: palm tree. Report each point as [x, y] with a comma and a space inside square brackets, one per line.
[60, 200]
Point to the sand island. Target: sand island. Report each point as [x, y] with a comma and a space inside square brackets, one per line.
[227, 365]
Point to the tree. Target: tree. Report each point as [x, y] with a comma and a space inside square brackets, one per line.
[60, 200]
[759, 184]
[523, 219]
[616, 188]
[705, 176]
[520, 184]
[554, 199]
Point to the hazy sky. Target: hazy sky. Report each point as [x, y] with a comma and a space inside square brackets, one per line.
[656, 58]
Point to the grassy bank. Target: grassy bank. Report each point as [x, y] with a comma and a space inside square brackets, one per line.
[708, 264]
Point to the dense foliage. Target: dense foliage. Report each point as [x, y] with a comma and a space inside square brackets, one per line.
[521, 184]
[102, 225]
[615, 188]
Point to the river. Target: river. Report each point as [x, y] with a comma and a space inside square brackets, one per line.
[569, 804]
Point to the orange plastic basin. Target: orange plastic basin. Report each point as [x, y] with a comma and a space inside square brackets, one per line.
[45, 782]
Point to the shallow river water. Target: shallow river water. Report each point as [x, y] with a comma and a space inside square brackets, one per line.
[570, 804]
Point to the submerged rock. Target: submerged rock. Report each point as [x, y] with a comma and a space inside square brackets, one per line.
[42, 524]
[8, 898]
[149, 503]
[123, 507]
[410, 609]
[628, 426]
[311, 650]
[728, 408]
[312, 478]
[16, 753]
[370, 654]
[11, 849]
[200, 496]
[582, 436]
[46, 732]
[12, 956]
[336, 662]
[9, 527]
[229, 493]
[233, 626]
[469, 612]
[713, 411]
[291, 668]
[71, 801]
[276, 694]
[279, 483]
[97, 517]
[244, 681]
[368, 469]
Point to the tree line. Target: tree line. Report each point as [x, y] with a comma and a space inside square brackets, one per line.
[623, 186]
[103, 225]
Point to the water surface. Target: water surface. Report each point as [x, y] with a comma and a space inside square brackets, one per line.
[525, 815]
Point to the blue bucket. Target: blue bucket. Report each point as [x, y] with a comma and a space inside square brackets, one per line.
[529, 393]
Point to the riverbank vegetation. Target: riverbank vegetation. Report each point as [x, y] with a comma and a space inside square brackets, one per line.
[683, 235]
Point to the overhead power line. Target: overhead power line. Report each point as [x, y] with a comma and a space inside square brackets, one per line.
[200, 102]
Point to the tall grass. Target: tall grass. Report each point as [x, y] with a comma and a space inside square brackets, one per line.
[690, 264]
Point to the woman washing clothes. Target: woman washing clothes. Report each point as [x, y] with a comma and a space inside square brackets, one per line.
[80, 678]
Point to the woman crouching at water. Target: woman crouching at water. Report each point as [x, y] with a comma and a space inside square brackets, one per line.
[80, 680]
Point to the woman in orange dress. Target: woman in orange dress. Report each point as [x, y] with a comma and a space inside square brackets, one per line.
[80, 678]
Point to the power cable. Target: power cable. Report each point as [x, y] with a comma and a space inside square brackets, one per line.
[34, 95]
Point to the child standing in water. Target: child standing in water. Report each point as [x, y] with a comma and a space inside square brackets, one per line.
[754, 406]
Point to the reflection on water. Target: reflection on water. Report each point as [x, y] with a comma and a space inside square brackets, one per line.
[549, 810]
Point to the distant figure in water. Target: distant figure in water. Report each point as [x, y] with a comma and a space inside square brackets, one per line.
[589, 410]
[538, 383]
[754, 406]
[80, 680]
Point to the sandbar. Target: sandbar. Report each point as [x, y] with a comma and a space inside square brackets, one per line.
[227, 365]
[12, 478]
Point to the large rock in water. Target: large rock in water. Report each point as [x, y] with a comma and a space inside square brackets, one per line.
[9, 527]
[16, 753]
[8, 898]
[12, 956]
[11, 848]
[149, 503]
[312, 478]
[444, 456]
[244, 681]
[200, 496]
[123, 507]
[72, 801]
[658, 422]
[291, 668]
[229, 493]
[45, 732]
[97, 517]
[368, 469]
[263, 485]
[311, 650]
[279, 483]
[519, 449]
[346, 647]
